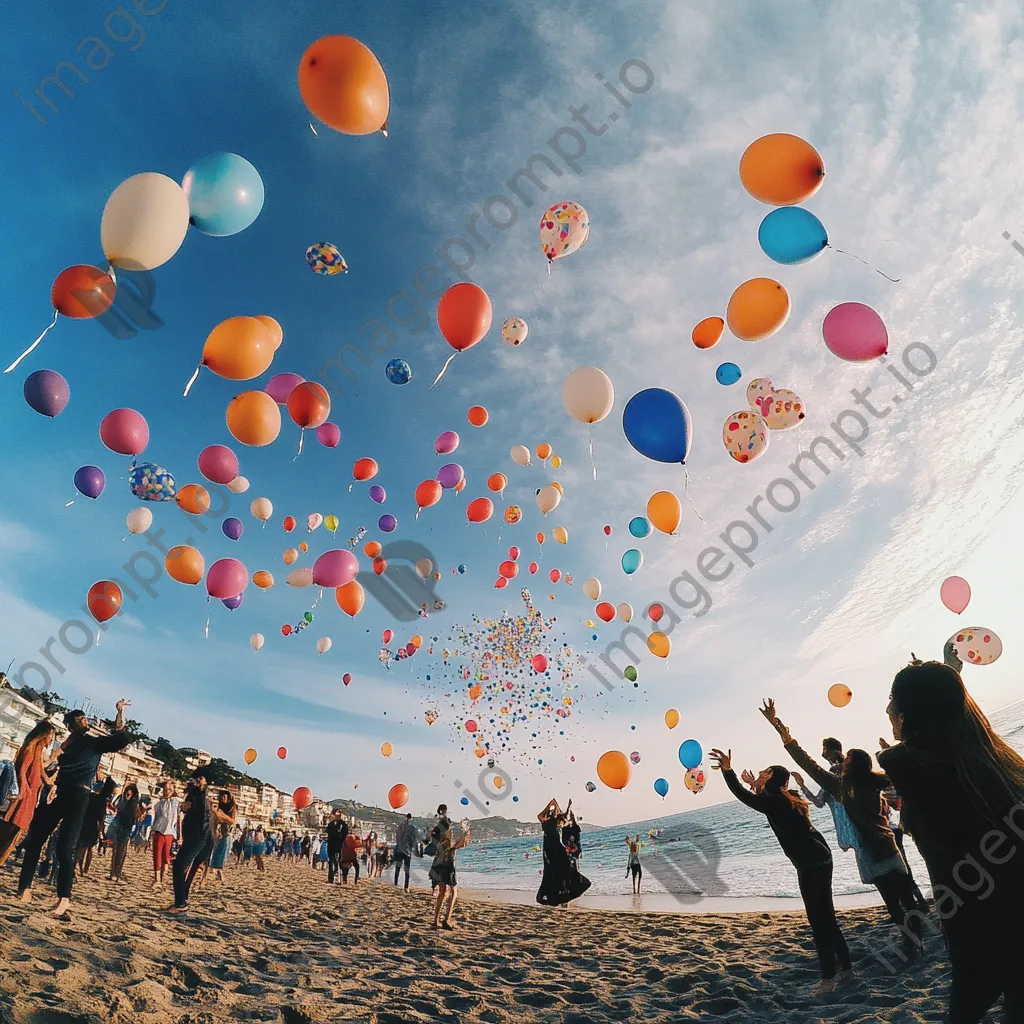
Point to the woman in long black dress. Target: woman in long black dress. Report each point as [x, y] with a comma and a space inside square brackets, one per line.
[562, 881]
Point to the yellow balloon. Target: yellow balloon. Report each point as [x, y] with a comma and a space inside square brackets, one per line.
[589, 623]
[664, 511]
[332, 523]
[386, 749]
[839, 695]
[659, 644]
[560, 534]
[556, 461]
[671, 718]
[250, 756]
[417, 641]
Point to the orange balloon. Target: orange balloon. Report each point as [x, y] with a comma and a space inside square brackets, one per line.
[479, 510]
[239, 348]
[757, 309]
[185, 564]
[263, 579]
[379, 566]
[276, 330]
[398, 796]
[558, 487]
[464, 315]
[350, 597]
[194, 499]
[254, 419]
[460, 486]
[708, 333]
[614, 769]
[371, 549]
[104, 600]
[309, 405]
[428, 493]
[540, 538]
[364, 469]
[497, 482]
[781, 170]
[477, 416]
[303, 547]
[665, 511]
[82, 292]
[416, 641]
[289, 555]
[543, 451]
[343, 85]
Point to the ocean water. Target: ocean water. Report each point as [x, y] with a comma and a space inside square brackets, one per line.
[725, 850]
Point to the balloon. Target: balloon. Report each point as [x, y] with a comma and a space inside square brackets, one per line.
[655, 612]
[227, 577]
[139, 520]
[325, 259]
[548, 499]
[605, 611]
[329, 435]
[429, 492]
[658, 425]
[558, 487]
[533, 567]
[194, 499]
[289, 555]
[231, 603]
[783, 410]
[335, 568]
[239, 485]
[323, 645]
[479, 510]
[303, 547]
[288, 523]
[540, 538]
[124, 431]
[664, 511]
[564, 228]
[632, 560]
[556, 462]
[639, 527]
[477, 416]
[313, 521]
[955, 594]
[728, 374]
[302, 798]
[759, 391]
[286, 630]
[625, 611]
[364, 469]
[508, 569]
[417, 641]
[464, 315]
[281, 385]
[839, 695]
[378, 494]
[690, 754]
[671, 718]
[555, 575]
[282, 752]
[398, 796]
[372, 549]
[218, 464]
[262, 509]
[225, 194]
[590, 787]
[745, 436]
[791, 235]
[855, 332]
[343, 85]
[694, 780]
[82, 292]
[424, 567]
[661, 787]
[976, 645]
[300, 577]
[592, 588]
[387, 636]
[253, 419]
[757, 309]
[251, 755]
[607, 531]
[144, 222]
[331, 523]
[90, 481]
[630, 673]
[560, 535]
[659, 644]
[387, 749]
[708, 333]
[446, 442]
[539, 663]
[588, 394]
[543, 451]
[398, 371]
[387, 523]
[276, 333]
[781, 170]
[152, 483]
[104, 600]
[263, 579]
[350, 597]
[614, 769]
[346, 679]
[514, 331]
[47, 392]
[309, 405]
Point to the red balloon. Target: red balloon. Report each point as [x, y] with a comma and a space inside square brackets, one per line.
[82, 292]
[398, 796]
[309, 405]
[555, 575]
[410, 649]
[607, 531]
[513, 552]
[302, 797]
[288, 523]
[500, 583]
[286, 629]
[479, 510]
[347, 678]
[379, 567]
[655, 612]
[104, 600]
[470, 725]
[364, 469]
[539, 663]
[282, 752]
[428, 493]
[508, 569]
[533, 568]
[605, 611]
[464, 315]
[387, 636]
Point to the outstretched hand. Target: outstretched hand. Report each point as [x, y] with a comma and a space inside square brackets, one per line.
[122, 704]
[882, 743]
[768, 710]
[721, 761]
[748, 777]
[798, 778]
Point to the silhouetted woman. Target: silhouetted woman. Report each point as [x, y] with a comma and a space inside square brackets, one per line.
[92, 825]
[562, 881]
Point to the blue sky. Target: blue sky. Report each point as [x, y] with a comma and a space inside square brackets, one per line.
[912, 108]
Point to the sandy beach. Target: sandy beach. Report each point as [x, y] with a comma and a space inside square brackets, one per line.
[286, 947]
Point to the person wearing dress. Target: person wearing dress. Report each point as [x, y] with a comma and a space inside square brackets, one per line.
[443, 870]
[561, 882]
[126, 814]
[29, 767]
[166, 829]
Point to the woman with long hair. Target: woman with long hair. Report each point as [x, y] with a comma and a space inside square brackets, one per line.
[224, 814]
[126, 813]
[29, 766]
[561, 881]
[790, 820]
[92, 825]
[166, 829]
[962, 789]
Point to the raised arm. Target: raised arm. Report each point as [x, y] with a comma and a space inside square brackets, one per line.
[828, 782]
[722, 761]
[818, 800]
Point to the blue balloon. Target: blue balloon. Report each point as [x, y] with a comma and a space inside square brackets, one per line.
[639, 527]
[661, 787]
[690, 754]
[464, 801]
[225, 194]
[791, 235]
[658, 425]
[728, 373]
[398, 371]
[631, 561]
[462, 570]
[151, 482]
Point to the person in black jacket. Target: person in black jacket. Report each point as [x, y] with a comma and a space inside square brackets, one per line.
[195, 830]
[337, 830]
[790, 820]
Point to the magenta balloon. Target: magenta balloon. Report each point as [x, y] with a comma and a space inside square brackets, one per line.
[281, 385]
[218, 464]
[335, 568]
[329, 435]
[378, 494]
[125, 431]
[955, 594]
[410, 649]
[446, 443]
[450, 476]
[855, 332]
[227, 577]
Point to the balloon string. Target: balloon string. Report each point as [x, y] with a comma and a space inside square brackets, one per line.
[895, 280]
[206, 631]
[686, 474]
[590, 446]
[350, 486]
[192, 380]
[99, 633]
[302, 437]
[68, 504]
[444, 370]
[34, 343]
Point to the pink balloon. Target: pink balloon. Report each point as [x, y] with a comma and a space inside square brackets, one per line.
[125, 431]
[335, 568]
[218, 464]
[855, 332]
[955, 594]
[227, 577]
[281, 385]
[446, 443]
[329, 435]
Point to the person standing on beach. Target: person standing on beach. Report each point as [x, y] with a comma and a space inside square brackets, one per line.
[561, 882]
[166, 829]
[634, 866]
[224, 814]
[259, 847]
[350, 857]
[444, 870]
[337, 830]
[126, 814]
[29, 767]
[76, 772]
[92, 824]
[314, 852]
[790, 819]
[405, 840]
[195, 829]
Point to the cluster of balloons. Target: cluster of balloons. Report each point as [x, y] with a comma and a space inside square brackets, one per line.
[746, 434]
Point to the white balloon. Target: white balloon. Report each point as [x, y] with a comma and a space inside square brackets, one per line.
[783, 410]
[313, 520]
[588, 394]
[323, 645]
[239, 485]
[256, 641]
[144, 222]
[759, 390]
[514, 330]
[976, 645]
[300, 577]
[139, 520]
[424, 567]
[592, 588]
[520, 455]
[262, 509]
[625, 611]
[548, 499]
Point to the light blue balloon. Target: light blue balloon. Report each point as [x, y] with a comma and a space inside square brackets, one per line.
[658, 425]
[661, 787]
[225, 194]
[791, 235]
[639, 527]
[728, 373]
[631, 561]
[690, 754]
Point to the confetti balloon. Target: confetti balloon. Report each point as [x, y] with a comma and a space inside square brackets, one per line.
[694, 780]
[398, 371]
[514, 331]
[745, 436]
[839, 695]
[590, 787]
[783, 410]
[513, 514]
[564, 228]
[976, 645]
[150, 482]
[635, 757]
[324, 258]
[759, 391]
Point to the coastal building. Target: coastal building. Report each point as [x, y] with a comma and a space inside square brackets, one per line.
[133, 764]
[18, 717]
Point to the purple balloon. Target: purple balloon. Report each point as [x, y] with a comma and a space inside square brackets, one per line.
[90, 481]
[329, 435]
[387, 524]
[378, 494]
[281, 385]
[446, 443]
[233, 602]
[232, 528]
[450, 476]
[47, 392]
